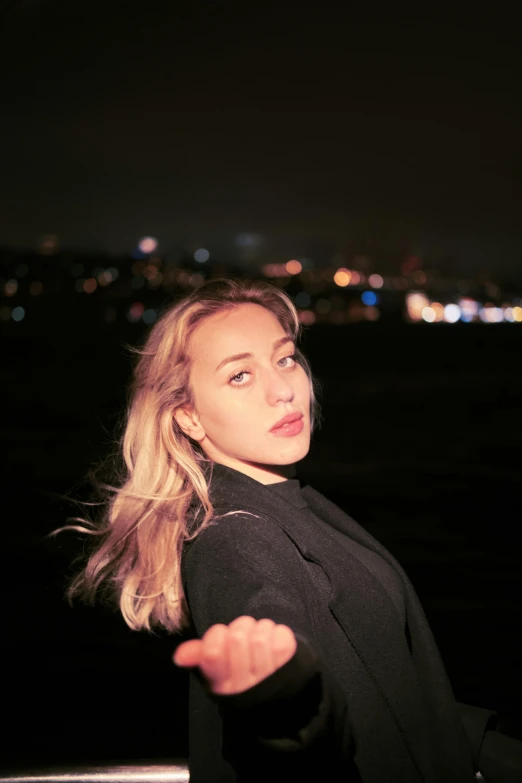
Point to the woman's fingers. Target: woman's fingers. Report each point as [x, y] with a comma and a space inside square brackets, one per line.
[284, 645]
[261, 653]
[188, 653]
[214, 657]
[236, 657]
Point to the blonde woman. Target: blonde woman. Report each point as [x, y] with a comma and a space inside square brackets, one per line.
[310, 656]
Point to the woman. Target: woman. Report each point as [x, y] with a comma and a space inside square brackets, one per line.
[311, 657]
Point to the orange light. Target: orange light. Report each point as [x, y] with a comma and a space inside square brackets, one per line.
[342, 277]
[293, 267]
[11, 287]
[90, 285]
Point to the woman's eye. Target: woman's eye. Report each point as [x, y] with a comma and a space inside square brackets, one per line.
[237, 379]
[292, 357]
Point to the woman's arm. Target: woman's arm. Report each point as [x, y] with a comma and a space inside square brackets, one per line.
[244, 565]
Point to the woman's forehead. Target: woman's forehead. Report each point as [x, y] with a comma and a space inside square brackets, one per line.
[246, 328]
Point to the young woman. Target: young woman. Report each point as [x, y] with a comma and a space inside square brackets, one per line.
[311, 657]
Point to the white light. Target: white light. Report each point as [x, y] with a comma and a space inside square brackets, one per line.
[428, 314]
[452, 313]
[201, 255]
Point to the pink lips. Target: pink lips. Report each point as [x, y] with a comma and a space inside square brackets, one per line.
[291, 424]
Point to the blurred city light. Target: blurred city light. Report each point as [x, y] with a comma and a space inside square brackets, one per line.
[201, 255]
[438, 309]
[428, 314]
[342, 277]
[452, 313]
[369, 298]
[294, 267]
[147, 245]
[415, 304]
[376, 281]
[149, 316]
[90, 285]
[372, 313]
[11, 287]
[136, 311]
[306, 317]
[18, 313]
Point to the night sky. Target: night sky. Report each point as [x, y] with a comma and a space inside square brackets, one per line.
[320, 129]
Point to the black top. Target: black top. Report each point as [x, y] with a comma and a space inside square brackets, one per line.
[361, 700]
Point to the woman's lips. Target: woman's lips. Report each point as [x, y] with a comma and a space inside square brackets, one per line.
[289, 429]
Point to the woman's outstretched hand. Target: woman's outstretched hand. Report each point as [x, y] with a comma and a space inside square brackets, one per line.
[236, 657]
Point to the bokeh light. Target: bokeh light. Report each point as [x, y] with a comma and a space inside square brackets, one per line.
[342, 277]
[201, 255]
[18, 314]
[306, 317]
[294, 267]
[372, 313]
[428, 314]
[90, 285]
[369, 298]
[452, 313]
[376, 281]
[148, 245]
[136, 311]
[11, 287]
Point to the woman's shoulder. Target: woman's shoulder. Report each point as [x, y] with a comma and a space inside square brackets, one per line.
[239, 534]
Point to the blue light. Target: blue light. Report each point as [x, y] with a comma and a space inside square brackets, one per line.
[149, 316]
[369, 298]
[18, 314]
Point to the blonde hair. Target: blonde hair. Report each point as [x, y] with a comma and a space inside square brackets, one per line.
[149, 516]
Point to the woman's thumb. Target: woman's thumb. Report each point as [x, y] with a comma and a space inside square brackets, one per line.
[188, 653]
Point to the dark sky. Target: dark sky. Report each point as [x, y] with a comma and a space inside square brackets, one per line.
[315, 128]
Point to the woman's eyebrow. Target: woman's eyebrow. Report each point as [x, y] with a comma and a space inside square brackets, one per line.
[238, 356]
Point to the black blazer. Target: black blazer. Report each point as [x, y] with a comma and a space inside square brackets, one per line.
[344, 707]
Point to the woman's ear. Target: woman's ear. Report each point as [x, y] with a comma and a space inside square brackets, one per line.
[188, 421]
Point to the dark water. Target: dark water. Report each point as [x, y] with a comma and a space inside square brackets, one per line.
[421, 443]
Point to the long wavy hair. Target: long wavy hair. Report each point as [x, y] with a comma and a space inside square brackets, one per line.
[150, 511]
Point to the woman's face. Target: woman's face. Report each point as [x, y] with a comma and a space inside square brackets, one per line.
[238, 401]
